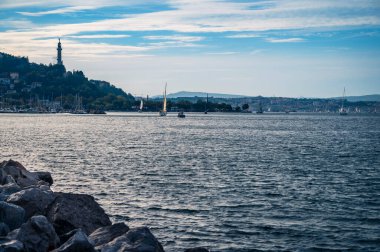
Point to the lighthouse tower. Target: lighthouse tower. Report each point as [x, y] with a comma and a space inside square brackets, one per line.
[59, 53]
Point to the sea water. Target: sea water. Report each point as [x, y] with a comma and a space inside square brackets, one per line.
[228, 182]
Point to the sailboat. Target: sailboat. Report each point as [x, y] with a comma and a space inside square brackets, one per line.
[163, 111]
[141, 106]
[342, 110]
[206, 109]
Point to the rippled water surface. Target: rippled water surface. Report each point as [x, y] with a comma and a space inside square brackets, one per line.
[226, 182]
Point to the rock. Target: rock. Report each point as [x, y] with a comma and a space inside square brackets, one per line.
[7, 245]
[11, 215]
[4, 229]
[9, 180]
[37, 235]
[65, 237]
[44, 176]
[104, 235]
[70, 211]
[77, 242]
[198, 249]
[20, 175]
[135, 240]
[8, 189]
[35, 200]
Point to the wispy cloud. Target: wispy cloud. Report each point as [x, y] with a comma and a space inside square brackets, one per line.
[285, 40]
[244, 35]
[176, 38]
[98, 36]
[221, 53]
[58, 11]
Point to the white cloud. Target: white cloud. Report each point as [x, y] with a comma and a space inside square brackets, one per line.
[58, 11]
[176, 38]
[285, 40]
[244, 35]
[98, 36]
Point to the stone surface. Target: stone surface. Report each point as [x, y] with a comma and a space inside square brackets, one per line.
[35, 201]
[198, 249]
[135, 240]
[7, 245]
[44, 176]
[77, 242]
[4, 229]
[11, 215]
[70, 211]
[21, 176]
[37, 235]
[8, 189]
[104, 235]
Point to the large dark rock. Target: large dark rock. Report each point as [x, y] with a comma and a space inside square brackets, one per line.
[35, 200]
[198, 249]
[8, 189]
[37, 235]
[135, 240]
[70, 211]
[7, 245]
[104, 235]
[44, 176]
[4, 229]
[11, 215]
[20, 175]
[77, 242]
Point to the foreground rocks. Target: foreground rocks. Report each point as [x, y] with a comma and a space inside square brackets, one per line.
[36, 219]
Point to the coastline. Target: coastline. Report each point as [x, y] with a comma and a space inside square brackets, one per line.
[34, 218]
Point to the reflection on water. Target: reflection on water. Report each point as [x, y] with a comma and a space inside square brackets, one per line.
[228, 182]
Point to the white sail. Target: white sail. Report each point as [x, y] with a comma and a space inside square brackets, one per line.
[342, 110]
[164, 105]
[141, 105]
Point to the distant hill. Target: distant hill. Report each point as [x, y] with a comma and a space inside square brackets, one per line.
[200, 94]
[26, 84]
[374, 97]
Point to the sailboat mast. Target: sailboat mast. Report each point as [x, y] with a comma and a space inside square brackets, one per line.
[164, 106]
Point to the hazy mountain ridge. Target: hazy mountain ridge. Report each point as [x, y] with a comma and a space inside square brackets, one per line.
[200, 94]
[373, 97]
[188, 94]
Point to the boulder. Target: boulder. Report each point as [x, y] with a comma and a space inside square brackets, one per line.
[135, 240]
[77, 242]
[11, 215]
[20, 175]
[4, 229]
[35, 200]
[44, 176]
[104, 235]
[7, 245]
[198, 249]
[37, 235]
[70, 211]
[8, 189]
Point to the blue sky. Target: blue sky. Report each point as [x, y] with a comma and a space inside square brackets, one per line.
[289, 48]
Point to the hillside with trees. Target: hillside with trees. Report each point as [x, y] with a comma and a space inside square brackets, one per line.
[24, 84]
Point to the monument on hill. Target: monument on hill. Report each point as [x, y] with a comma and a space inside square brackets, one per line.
[59, 53]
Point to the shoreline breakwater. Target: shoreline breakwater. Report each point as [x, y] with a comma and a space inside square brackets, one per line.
[34, 218]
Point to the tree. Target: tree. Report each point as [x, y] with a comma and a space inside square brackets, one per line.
[245, 106]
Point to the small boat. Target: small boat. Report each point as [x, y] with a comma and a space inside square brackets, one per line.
[342, 110]
[163, 112]
[141, 106]
[181, 114]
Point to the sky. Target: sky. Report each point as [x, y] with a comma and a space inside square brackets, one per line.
[289, 48]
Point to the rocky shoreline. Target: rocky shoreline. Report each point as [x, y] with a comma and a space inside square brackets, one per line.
[34, 218]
